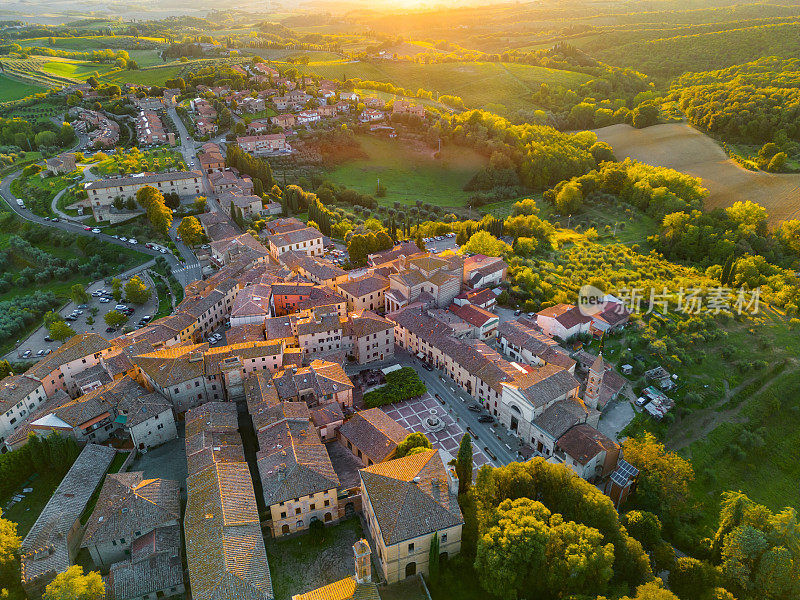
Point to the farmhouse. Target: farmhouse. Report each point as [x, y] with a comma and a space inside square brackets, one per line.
[263, 145]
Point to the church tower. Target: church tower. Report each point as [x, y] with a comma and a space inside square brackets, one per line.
[594, 382]
[363, 557]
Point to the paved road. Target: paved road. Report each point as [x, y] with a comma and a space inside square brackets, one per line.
[79, 228]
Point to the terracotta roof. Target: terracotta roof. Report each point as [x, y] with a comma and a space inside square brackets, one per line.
[129, 503]
[540, 385]
[410, 496]
[366, 322]
[567, 315]
[57, 519]
[560, 416]
[344, 589]
[293, 461]
[15, 388]
[374, 432]
[142, 179]
[78, 346]
[474, 315]
[406, 248]
[155, 566]
[583, 442]
[325, 414]
[296, 236]
[368, 284]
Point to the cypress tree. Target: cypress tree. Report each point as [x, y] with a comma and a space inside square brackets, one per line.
[464, 464]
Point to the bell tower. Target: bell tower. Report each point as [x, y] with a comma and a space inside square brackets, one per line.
[363, 556]
[594, 381]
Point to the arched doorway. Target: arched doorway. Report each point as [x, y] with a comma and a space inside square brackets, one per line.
[284, 530]
[443, 557]
[328, 517]
[349, 510]
[299, 524]
[514, 424]
[411, 569]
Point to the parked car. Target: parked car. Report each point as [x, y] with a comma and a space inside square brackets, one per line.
[133, 241]
[48, 351]
[77, 312]
[48, 339]
[95, 230]
[489, 453]
[87, 228]
[104, 300]
[472, 433]
[642, 400]
[120, 307]
[474, 408]
[427, 367]
[123, 239]
[147, 318]
[26, 354]
[517, 312]
[486, 419]
[83, 306]
[40, 353]
[110, 329]
[70, 318]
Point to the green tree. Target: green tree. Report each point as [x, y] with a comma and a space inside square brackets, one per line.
[116, 288]
[483, 242]
[190, 230]
[414, 442]
[72, 584]
[569, 199]
[645, 115]
[664, 476]
[136, 291]
[464, 464]
[777, 163]
[115, 318]
[78, 294]
[433, 560]
[60, 331]
[690, 578]
[9, 546]
[643, 526]
[651, 591]
[5, 369]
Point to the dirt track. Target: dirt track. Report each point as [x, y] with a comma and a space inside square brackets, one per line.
[683, 148]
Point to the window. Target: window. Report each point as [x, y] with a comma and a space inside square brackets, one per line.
[313, 507]
[297, 511]
[283, 515]
[444, 538]
[327, 502]
[411, 547]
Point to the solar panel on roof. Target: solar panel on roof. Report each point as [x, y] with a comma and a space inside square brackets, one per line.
[619, 479]
[627, 468]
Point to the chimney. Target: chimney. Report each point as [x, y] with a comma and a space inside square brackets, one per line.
[362, 555]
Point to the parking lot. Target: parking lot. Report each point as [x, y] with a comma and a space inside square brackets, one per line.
[36, 342]
[441, 243]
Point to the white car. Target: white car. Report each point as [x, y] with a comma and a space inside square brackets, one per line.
[104, 300]
[162, 250]
[123, 239]
[95, 230]
[133, 241]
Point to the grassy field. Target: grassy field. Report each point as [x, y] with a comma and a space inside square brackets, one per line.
[11, 89]
[733, 399]
[477, 83]
[86, 43]
[681, 147]
[74, 69]
[154, 76]
[410, 174]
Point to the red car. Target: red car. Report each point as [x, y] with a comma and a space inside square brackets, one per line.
[87, 228]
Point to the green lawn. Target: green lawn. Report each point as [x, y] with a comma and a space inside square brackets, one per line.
[11, 89]
[262, 114]
[410, 175]
[25, 512]
[477, 83]
[154, 76]
[74, 69]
